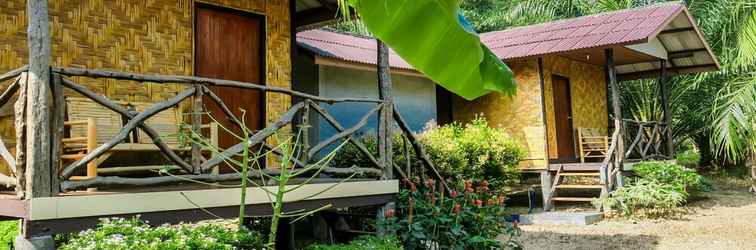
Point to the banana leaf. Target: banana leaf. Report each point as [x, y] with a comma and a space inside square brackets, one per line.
[434, 37]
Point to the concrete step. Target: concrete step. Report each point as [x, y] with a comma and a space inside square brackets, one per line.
[577, 186]
[581, 199]
[561, 218]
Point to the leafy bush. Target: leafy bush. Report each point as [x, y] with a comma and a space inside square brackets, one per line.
[8, 232]
[118, 233]
[689, 158]
[474, 151]
[363, 242]
[470, 151]
[645, 198]
[474, 218]
[658, 190]
[680, 178]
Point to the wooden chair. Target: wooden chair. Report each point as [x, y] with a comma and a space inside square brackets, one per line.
[90, 124]
[592, 143]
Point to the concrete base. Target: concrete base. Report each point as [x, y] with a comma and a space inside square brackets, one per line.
[561, 218]
[35, 243]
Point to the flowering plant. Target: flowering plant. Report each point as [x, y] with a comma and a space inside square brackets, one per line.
[119, 233]
[429, 217]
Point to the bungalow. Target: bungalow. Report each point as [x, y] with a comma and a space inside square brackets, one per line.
[97, 95]
[565, 71]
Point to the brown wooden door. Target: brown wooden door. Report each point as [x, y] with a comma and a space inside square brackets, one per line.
[229, 46]
[563, 119]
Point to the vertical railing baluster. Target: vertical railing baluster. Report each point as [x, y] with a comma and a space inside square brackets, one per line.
[304, 127]
[197, 128]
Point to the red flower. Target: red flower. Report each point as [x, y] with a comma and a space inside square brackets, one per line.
[468, 184]
[484, 183]
[478, 203]
[501, 200]
[454, 193]
[413, 188]
[389, 213]
[457, 208]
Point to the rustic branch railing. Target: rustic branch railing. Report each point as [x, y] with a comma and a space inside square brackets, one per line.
[199, 168]
[647, 140]
[19, 79]
[610, 167]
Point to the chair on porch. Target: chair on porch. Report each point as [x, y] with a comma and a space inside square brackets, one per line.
[90, 124]
[592, 144]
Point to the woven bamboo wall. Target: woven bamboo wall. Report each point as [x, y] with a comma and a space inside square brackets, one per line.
[148, 36]
[519, 115]
[588, 90]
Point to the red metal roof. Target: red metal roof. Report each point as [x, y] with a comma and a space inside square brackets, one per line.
[610, 28]
[624, 27]
[345, 47]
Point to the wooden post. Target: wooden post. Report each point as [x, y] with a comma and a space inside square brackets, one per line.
[304, 127]
[38, 174]
[91, 146]
[384, 122]
[57, 129]
[616, 110]
[542, 82]
[19, 109]
[664, 90]
[197, 128]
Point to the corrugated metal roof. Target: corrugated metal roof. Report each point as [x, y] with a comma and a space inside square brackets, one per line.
[605, 29]
[618, 28]
[345, 47]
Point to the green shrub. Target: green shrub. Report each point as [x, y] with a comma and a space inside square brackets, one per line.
[689, 158]
[363, 242]
[658, 189]
[470, 151]
[8, 232]
[118, 233]
[645, 198]
[427, 217]
[680, 178]
[474, 151]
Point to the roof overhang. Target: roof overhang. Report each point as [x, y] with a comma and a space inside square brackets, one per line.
[314, 13]
[680, 42]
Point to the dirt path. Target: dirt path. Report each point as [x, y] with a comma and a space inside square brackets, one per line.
[722, 219]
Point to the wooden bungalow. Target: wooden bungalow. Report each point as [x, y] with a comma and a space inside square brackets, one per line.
[99, 95]
[566, 111]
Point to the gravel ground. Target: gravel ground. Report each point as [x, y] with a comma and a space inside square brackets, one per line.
[722, 219]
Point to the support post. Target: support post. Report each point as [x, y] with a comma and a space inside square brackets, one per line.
[384, 122]
[56, 130]
[546, 183]
[664, 90]
[38, 174]
[197, 128]
[616, 110]
[542, 82]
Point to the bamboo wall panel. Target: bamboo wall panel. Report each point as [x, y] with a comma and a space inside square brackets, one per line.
[146, 36]
[588, 90]
[519, 115]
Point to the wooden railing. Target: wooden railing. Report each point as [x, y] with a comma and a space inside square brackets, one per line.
[645, 140]
[611, 166]
[199, 168]
[19, 76]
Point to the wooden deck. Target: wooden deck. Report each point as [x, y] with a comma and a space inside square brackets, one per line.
[80, 210]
